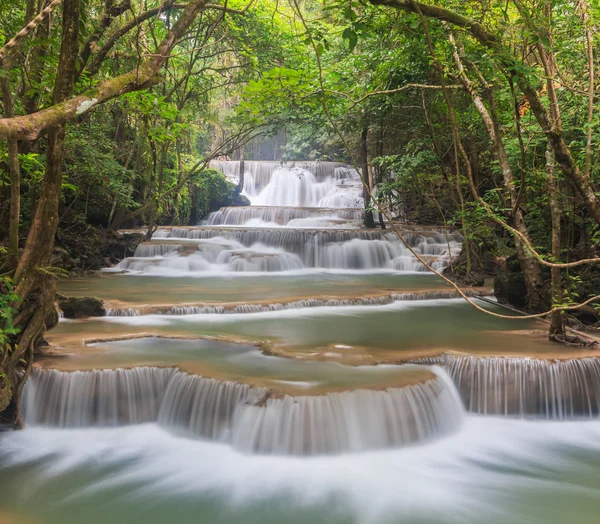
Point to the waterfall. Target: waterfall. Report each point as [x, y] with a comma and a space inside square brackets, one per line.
[258, 173]
[94, 398]
[293, 187]
[350, 421]
[321, 184]
[238, 216]
[525, 387]
[260, 258]
[236, 309]
[281, 249]
[252, 419]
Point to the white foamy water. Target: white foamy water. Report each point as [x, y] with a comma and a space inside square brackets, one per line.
[281, 249]
[249, 418]
[320, 184]
[499, 471]
[304, 215]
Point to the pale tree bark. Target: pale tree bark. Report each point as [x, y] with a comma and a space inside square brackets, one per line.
[532, 272]
[584, 8]
[13, 44]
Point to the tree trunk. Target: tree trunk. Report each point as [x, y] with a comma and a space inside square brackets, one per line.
[14, 173]
[369, 222]
[193, 221]
[162, 159]
[35, 286]
[557, 328]
[532, 272]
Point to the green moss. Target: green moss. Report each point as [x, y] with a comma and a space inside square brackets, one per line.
[213, 191]
[5, 390]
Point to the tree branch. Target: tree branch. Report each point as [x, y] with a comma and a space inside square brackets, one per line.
[99, 57]
[29, 127]
[109, 13]
[12, 45]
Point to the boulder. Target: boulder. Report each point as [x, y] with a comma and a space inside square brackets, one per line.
[80, 307]
[509, 288]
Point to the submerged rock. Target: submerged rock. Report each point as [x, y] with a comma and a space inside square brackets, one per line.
[80, 307]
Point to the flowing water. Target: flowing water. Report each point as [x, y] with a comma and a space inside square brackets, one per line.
[279, 363]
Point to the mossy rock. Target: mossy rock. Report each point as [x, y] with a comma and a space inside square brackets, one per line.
[80, 307]
[5, 391]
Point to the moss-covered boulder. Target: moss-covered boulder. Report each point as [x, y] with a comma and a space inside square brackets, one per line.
[80, 307]
[5, 390]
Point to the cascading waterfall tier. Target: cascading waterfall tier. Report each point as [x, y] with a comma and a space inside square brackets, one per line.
[236, 216]
[258, 173]
[527, 387]
[252, 419]
[236, 309]
[320, 184]
[248, 249]
[101, 398]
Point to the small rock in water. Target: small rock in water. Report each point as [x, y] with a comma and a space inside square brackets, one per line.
[80, 307]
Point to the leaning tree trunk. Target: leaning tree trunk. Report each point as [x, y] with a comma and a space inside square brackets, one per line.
[513, 67]
[35, 285]
[14, 173]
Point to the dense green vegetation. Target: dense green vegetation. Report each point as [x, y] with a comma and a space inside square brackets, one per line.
[476, 114]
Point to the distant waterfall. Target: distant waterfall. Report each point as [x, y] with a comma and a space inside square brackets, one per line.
[320, 184]
[258, 173]
[249, 418]
[304, 215]
[525, 387]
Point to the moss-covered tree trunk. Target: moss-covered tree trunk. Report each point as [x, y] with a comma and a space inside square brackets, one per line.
[14, 173]
[35, 288]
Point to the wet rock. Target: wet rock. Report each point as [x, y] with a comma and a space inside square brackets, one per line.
[5, 390]
[241, 200]
[80, 307]
[509, 288]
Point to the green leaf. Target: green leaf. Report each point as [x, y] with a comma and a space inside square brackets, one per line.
[350, 35]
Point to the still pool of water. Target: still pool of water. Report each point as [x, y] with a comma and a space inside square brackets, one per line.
[144, 289]
[239, 362]
[402, 326]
